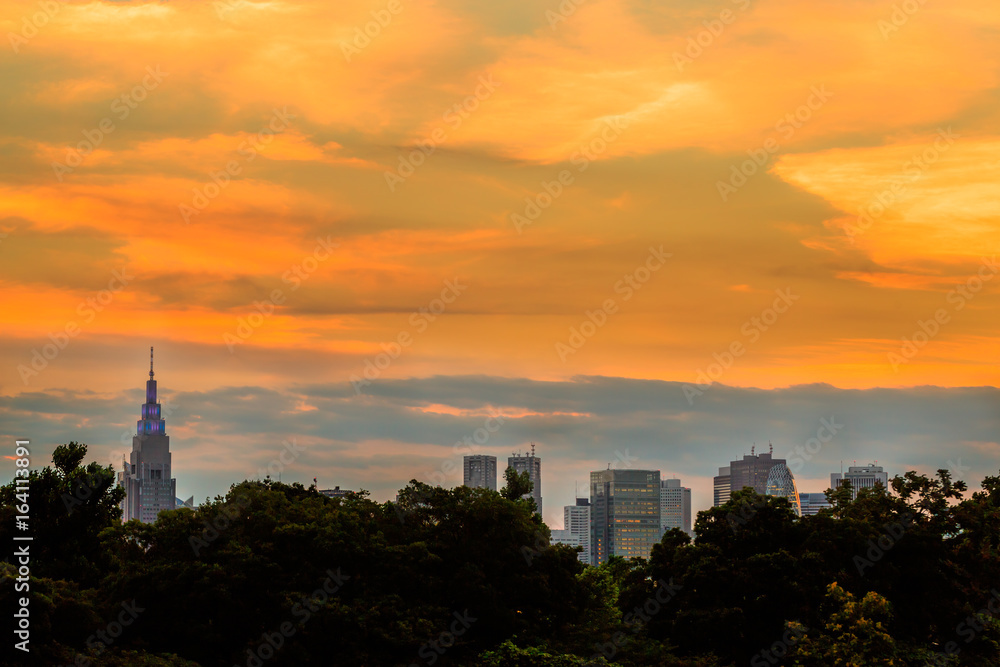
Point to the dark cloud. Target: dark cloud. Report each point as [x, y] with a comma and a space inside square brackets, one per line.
[397, 429]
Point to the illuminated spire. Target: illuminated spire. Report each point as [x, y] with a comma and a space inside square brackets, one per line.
[151, 423]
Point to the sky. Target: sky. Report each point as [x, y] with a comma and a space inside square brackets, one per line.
[647, 234]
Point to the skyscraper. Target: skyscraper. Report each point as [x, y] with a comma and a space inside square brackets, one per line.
[149, 488]
[752, 471]
[576, 525]
[624, 513]
[781, 483]
[533, 466]
[862, 477]
[812, 503]
[479, 471]
[721, 487]
[675, 506]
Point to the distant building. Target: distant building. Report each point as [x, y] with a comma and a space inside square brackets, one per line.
[479, 471]
[336, 492]
[675, 506]
[576, 523]
[781, 483]
[146, 478]
[624, 513]
[189, 503]
[812, 503]
[533, 466]
[861, 477]
[570, 539]
[721, 487]
[752, 470]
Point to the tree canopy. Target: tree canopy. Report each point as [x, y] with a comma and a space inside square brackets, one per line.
[280, 574]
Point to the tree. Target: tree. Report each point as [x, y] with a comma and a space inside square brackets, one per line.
[855, 633]
[70, 505]
[518, 484]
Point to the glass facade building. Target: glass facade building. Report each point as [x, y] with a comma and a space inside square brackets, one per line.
[781, 482]
[624, 513]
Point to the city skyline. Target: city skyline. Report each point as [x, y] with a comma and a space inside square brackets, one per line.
[564, 473]
[645, 253]
[371, 249]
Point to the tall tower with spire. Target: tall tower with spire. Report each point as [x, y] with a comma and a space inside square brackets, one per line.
[149, 488]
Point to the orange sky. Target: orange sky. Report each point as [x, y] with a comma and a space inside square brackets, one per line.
[284, 198]
[646, 114]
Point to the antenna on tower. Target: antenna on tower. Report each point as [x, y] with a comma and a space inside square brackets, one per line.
[771, 445]
[532, 450]
[752, 448]
[150, 361]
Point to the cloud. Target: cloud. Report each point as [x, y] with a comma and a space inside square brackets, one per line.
[397, 429]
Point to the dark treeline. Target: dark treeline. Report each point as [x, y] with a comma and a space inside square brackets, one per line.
[274, 575]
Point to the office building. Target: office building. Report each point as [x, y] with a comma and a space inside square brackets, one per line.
[570, 539]
[861, 477]
[752, 470]
[479, 471]
[812, 503]
[624, 513]
[335, 492]
[675, 506]
[576, 525]
[146, 476]
[721, 487]
[533, 466]
[781, 483]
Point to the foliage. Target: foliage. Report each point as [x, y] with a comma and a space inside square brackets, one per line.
[282, 575]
